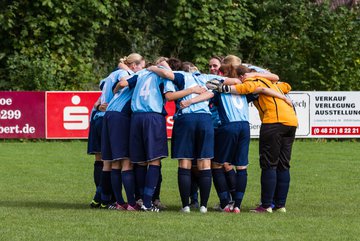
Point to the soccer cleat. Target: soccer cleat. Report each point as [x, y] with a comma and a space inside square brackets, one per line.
[203, 209]
[139, 202]
[185, 209]
[261, 209]
[107, 206]
[236, 210]
[133, 208]
[94, 204]
[272, 205]
[280, 209]
[227, 209]
[150, 209]
[120, 207]
[159, 205]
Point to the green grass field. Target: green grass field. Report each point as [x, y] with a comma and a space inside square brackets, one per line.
[45, 189]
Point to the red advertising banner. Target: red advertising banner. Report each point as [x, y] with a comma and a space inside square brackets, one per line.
[68, 113]
[22, 114]
[170, 109]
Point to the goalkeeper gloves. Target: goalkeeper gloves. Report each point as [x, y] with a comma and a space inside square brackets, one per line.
[216, 85]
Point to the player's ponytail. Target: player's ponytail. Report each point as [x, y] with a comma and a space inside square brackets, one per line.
[123, 60]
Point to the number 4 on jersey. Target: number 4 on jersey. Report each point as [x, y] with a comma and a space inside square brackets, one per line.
[145, 90]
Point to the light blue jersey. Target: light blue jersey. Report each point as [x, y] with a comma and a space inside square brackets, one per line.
[121, 100]
[185, 80]
[148, 92]
[231, 107]
[107, 89]
[256, 68]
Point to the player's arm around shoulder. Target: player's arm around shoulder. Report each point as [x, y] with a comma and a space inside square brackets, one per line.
[248, 86]
[175, 95]
[162, 72]
[201, 97]
[270, 76]
[121, 84]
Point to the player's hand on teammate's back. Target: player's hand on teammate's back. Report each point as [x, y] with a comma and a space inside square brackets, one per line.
[218, 86]
[185, 103]
[214, 84]
[103, 107]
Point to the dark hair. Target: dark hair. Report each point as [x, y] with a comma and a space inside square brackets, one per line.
[241, 70]
[174, 63]
[232, 71]
[186, 66]
[148, 64]
[220, 58]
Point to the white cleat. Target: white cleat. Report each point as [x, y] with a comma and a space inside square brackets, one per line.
[203, 209]
[185, 209]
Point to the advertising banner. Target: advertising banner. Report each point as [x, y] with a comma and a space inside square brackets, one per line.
[335, 114]
[170, 109]
[68, 113]
[22, 114]
[325, 114]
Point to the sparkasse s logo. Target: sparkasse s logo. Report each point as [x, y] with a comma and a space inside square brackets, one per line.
[68, 113]
[76, 117]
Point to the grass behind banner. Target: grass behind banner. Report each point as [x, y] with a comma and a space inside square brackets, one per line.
[45, 189]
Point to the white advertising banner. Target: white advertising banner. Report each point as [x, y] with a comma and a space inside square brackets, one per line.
[327, 114]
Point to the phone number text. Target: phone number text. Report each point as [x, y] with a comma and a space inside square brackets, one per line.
[335, 130]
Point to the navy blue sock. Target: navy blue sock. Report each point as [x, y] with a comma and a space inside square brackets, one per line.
[98, 166]
[194, 187]
[116, 183]
[282, 187]
[231, 182]
[128, 180]
[140, 175]
[204, 186]
[137, 194]
[241, 182]
[105, 185]
[268, 185]
[158, 188]
[184, 183]
[152, 177]
[194, 192]
[97, 196]
[221, 186]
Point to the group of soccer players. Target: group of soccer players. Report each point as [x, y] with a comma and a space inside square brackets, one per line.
[210, 137]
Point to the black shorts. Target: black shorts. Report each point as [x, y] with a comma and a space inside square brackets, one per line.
[275, 145]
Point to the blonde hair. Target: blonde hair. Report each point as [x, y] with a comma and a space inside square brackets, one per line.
[232, 59]
[131, 58]
[161, 59]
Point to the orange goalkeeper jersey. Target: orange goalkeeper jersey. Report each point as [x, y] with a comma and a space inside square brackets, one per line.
[271, 109]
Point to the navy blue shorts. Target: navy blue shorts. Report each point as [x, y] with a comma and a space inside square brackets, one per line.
[94, 139]
[193, 137]
[148, 138]
[232, 142]
[115, 136]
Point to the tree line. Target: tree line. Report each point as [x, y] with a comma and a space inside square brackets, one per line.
[71, 45]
